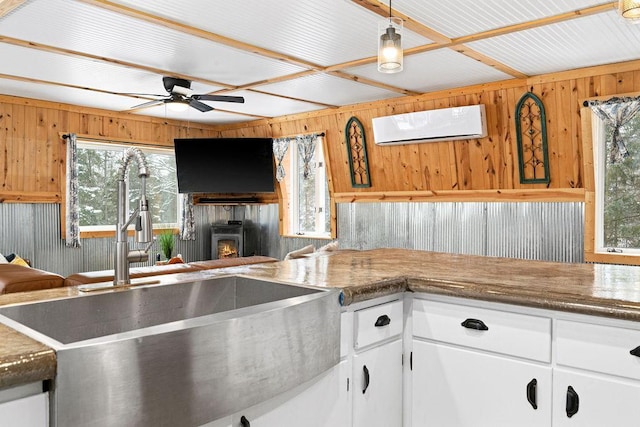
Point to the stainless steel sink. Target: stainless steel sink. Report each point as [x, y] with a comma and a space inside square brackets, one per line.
[183, 353]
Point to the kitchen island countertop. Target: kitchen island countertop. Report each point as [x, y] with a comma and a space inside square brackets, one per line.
[593, 289]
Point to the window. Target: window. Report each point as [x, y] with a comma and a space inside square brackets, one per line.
[306, 198]
[617, 189]
[98, 166]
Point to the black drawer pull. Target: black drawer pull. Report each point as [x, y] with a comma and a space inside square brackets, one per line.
[245, 422]
[383, 320]
[365, 371]
[636, 351]
[573, 402]
[475, 324]
[531, 393]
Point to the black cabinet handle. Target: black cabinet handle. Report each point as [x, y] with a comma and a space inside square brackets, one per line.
[636, 351]
[365, 370]
[245, 422]
[532, 387]
[475, 324]
[383, 320]
[573, 402]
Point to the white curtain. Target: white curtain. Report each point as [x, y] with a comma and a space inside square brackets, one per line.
[187, 221]
[72, 216]
[616, 112]
[306, 149]
[280, 147]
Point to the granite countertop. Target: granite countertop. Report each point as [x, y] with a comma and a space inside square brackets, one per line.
[595, 289]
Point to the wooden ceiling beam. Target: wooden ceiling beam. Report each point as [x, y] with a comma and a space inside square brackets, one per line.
[7, 6]
[217, 38]
[46, 82]
[442, 42]
[76, 54]
[197, 32]
[277, 79]
[321, 104]
[487, 60]
[370, 82]
[587, 11]
[408, 22]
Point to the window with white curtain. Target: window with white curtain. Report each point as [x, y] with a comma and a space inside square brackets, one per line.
[302, 181]
[617, 192]
[309, 209]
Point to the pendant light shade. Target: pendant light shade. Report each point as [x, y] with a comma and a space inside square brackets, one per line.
[629, 9]
[390, 56]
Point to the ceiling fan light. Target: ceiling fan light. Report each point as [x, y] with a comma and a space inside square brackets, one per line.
[390, 55]
[629, 9]
[177, 106]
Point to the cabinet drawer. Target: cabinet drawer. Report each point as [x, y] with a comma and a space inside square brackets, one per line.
[598, 348]
[30, 411]
[508, 333]
[388, 317]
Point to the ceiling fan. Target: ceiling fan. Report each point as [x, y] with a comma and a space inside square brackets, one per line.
[179, 92]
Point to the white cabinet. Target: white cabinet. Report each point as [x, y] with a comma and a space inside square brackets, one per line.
[596, 380]
[377, 386]
[29, 411]
[322, 402]
[475, 367]
[457, 387]
[513, 334]
[377, 365]
[591, 400]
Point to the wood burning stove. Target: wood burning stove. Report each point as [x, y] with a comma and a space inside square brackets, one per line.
[227, 240]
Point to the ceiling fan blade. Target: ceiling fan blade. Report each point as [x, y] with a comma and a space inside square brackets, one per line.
[140, 94]
[201, 106]
[220, 98]
[148, 104]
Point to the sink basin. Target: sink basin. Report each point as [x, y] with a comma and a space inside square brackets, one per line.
[181, 353]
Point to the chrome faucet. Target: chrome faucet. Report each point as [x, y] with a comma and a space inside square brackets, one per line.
[144, 229]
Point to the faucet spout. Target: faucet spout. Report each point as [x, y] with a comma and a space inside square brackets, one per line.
[142, 216]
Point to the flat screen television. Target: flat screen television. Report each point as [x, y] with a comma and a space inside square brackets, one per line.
[225, 165]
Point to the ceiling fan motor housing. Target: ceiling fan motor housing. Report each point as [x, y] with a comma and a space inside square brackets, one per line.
[171, 82]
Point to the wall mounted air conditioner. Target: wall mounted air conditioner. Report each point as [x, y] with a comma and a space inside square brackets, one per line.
[434, 125]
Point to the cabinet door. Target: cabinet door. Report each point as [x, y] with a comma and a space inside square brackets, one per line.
[455, 387]
[377, 386]
[320, 403]
[594, 400]
[32, 411]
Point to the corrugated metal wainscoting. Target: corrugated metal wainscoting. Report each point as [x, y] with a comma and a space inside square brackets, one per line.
[541, 231]
[33, 231]
[544, 231]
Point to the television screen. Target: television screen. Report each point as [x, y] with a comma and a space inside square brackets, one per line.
[224, 165]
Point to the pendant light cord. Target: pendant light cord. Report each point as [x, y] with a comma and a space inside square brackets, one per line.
[389, 12]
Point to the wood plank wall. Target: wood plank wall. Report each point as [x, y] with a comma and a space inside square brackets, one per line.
[484, 169]
[32, 153]
[32, 163]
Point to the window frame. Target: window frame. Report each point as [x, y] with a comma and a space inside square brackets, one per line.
[288, 188]
[594, 151]
[88, 232]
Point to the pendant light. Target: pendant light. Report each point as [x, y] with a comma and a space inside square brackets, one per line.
[629, 9]
[390, 45]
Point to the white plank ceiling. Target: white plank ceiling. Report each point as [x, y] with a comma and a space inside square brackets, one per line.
[290, 56]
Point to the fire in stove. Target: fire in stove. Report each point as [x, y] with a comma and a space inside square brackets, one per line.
[227, 249]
